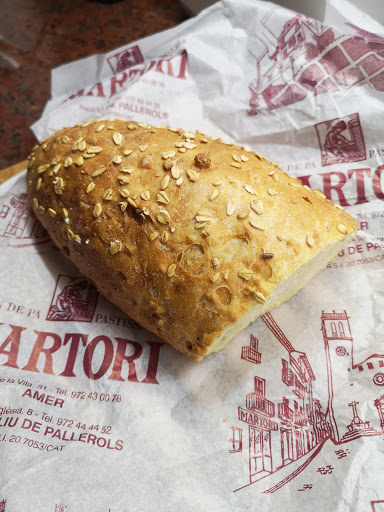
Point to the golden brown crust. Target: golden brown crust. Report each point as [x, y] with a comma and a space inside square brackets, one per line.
[184, 232]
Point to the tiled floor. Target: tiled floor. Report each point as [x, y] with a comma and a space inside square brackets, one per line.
[36, 36]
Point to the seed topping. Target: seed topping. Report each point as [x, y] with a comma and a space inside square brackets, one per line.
[115, 247]
[97, 210]
[99, 171]
[171, 270]
[342, 229]
[117, 138]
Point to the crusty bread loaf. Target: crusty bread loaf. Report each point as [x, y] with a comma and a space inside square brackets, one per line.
[191, 236]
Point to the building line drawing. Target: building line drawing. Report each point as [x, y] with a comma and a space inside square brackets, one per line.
[304, 58]
[286, 435]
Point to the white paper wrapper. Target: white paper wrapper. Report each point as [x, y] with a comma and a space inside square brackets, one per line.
[96, 414]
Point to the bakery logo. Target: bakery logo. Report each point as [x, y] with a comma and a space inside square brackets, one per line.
[300, 58]
[341, 140]
[60, 508]
[126, 59]
[74, 299]
[18, 222]
[2, 505]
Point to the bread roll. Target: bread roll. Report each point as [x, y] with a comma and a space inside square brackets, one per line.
[192, 237]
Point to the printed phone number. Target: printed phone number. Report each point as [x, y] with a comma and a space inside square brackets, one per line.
[30, 443]
[102, 397]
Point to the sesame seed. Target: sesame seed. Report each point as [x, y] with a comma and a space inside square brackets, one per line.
[162, 197]
[115, 247]
[77, 239]
[267, 256]
[189, 145]
[55, 160]
[246, 149]
[271, 173]
[41, 209]
[59, 185]
[168, 154]
[127, 152]
[42, 168]
[272, 192]
[52, 212]
[249, 189]
[89, 155]
[131, 127]
[203, 140]
[339, 207]
[257, 206]
[128, 171]
[145, 195]
[124, 192]
[310, 241]
[236, 165]
[68, 161]
[188, 135]
[255, 225]
[38, 184]
[245, 275]
[117, 159]
[182, 150]
[163, 217]
[343, 230]
[90, 187]
[171, 270]
[65, 139]
[99, 171]
[143, 147]
[217, 183]
[176, 172]
[82, 145]
[132, 202]
[244, 158]
[65, 213]
[203, 218]
[260, 297]
[94, 149]
[275, 177]
[165, 182]
[35, 203]
[294, 184]
[306, 187]
[123, 206]
[236, 158]
[117, 138]
[70, 234]
[215, 277]
[230, 209]
[164, 237]
[143, 125]
[228, 143]
[56, 168]
[216, 137]
[226, 274]
[179, 144]
[97, 210]
[193, 175]
[179, 181]
[215, 263]
[153, 235]
[31, 162]
[108, 194]
[200, 225]
[214, 194]
[100, 127]
[79, 161]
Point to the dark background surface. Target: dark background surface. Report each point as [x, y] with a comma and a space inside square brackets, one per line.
[38, 35]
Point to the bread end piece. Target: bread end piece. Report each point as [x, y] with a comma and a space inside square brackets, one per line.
[191, 236]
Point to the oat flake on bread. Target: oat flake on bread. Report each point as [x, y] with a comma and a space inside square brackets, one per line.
[191, 236]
